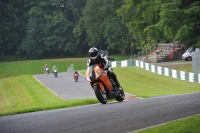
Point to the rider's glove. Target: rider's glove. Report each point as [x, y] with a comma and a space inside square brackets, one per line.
[105, 68]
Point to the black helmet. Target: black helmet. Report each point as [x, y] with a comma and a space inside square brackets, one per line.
[93, 52]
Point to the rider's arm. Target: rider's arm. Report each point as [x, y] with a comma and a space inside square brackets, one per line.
[106, 62]
[91, 62]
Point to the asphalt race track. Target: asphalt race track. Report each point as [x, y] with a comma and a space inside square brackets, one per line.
[172, 64]
[65, 87]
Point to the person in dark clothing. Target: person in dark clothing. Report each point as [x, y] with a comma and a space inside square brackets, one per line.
[76, 75]
[102, 61]
[75, 72]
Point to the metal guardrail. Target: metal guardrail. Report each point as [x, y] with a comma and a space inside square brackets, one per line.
[143, 55]
[149, 54]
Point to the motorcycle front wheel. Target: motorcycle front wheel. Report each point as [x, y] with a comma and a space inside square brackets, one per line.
[100, 95]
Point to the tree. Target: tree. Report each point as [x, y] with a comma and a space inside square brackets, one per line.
[103, 27]
[48, 32]
[11, 26]
[162, 21]
[141, 17]
[181, 20]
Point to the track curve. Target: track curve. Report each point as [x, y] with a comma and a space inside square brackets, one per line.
[117, 117]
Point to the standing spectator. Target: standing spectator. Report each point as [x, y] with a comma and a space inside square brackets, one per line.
[157, 52]
[160, 50]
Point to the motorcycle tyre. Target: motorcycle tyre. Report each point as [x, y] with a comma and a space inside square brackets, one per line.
[56, 75]
[100, 96]
[76, 79]
[120, 97]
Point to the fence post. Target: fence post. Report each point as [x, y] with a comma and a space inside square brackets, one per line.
[142, 54]
[146, 56]
[150, 49]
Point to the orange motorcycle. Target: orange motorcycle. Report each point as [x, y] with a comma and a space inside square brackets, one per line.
[103, 86]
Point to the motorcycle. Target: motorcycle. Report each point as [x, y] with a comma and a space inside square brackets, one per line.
[76, 75]
[103, 86]
[47, 70]
[55, 72]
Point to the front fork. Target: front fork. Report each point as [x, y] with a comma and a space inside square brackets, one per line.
[101, 87]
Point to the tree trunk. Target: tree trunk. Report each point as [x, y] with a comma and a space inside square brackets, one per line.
[123, 52]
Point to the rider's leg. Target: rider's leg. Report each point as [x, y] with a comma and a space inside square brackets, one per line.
[114, 77]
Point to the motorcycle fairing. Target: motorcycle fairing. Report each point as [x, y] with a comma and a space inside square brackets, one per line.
[100, 85]
[94, 73]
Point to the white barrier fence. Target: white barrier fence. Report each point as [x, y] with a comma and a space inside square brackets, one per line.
[188, 76]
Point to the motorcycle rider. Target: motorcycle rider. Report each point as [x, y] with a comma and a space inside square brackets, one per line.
[76, 75]
[103, 63]
[75, 72]
[54, 68]
[46, 69]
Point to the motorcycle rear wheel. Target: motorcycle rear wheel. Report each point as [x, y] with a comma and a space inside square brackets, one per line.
[120, 97]
[100, 95]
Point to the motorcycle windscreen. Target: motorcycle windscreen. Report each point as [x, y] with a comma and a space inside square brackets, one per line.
[87, 75]
[90, 73]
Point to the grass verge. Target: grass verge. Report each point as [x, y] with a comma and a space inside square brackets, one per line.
[21, 94]
[187, 125]
[9, 69]
[143, 83]
[186, 68]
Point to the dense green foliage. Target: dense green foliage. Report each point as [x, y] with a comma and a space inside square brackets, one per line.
[158, 21]
[62, 28]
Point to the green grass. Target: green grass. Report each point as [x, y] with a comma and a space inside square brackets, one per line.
[143, 83]
[187, 125]
[186, 68]
[23, 93]
[9, 69]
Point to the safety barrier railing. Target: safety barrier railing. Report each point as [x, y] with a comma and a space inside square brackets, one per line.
[143, 55]
[188, 76]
